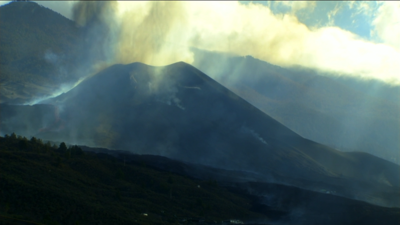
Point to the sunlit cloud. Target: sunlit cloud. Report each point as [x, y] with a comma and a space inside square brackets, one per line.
[298, 5]
[250, 29]
[387, 24]
[160, 33]
[331, 14]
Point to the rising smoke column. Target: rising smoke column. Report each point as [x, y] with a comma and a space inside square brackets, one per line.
[160, 33]
[98, 20]
[151, 36]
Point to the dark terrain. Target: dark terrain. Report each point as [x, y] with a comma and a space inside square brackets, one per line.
[175, 144]
[347, 113]
[179, 112]
[45, 184]
[50, 185]
[42, 52]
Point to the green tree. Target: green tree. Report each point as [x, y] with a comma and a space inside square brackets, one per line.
[23, 144]
[118, 194]
[120, 174]
[212, 183]
[63, 147]
[199, 203]
[40, 142]
[7, 208]
[13, 136]
[75, 150]
[48, 144]
[67, 154]
[58, 161]
[170, 180]
[33, 140]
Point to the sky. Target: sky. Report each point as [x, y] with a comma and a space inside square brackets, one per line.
[354, 38]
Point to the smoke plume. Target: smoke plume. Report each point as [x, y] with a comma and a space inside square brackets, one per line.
[160, 33]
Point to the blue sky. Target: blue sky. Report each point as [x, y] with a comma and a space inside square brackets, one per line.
[355, 17]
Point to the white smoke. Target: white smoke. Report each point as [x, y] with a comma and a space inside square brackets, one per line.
[160, 33]
[246, 129]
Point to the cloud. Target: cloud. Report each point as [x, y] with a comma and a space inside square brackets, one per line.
[331, 14]
[254, 30]
[160, 33]
[364, 8]
[387, 24]
[298, 5]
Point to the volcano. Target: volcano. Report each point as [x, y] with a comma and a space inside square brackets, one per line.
[179, 112]
[339, 111]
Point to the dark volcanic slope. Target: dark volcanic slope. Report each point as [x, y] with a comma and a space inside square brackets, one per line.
[42, 51]
[179, 112]
[38, 49]
[343, 112]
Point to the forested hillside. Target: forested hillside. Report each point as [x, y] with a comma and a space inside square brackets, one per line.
[48, 184]
[44, 183]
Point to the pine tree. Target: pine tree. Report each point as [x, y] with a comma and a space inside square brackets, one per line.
[13, 136]
[40, 142]
[63, 147]
[23, 144]
[33, 140]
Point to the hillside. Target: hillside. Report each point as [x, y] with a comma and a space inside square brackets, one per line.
[179, 112]
[45, 184]
[39, 51]
[49, 185]
[347, 113]
[172, 145]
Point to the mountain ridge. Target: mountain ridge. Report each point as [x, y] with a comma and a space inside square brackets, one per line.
[41, 50]
[179, 112]
[317, 106]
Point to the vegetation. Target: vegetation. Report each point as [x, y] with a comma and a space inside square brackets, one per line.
[45, 184]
